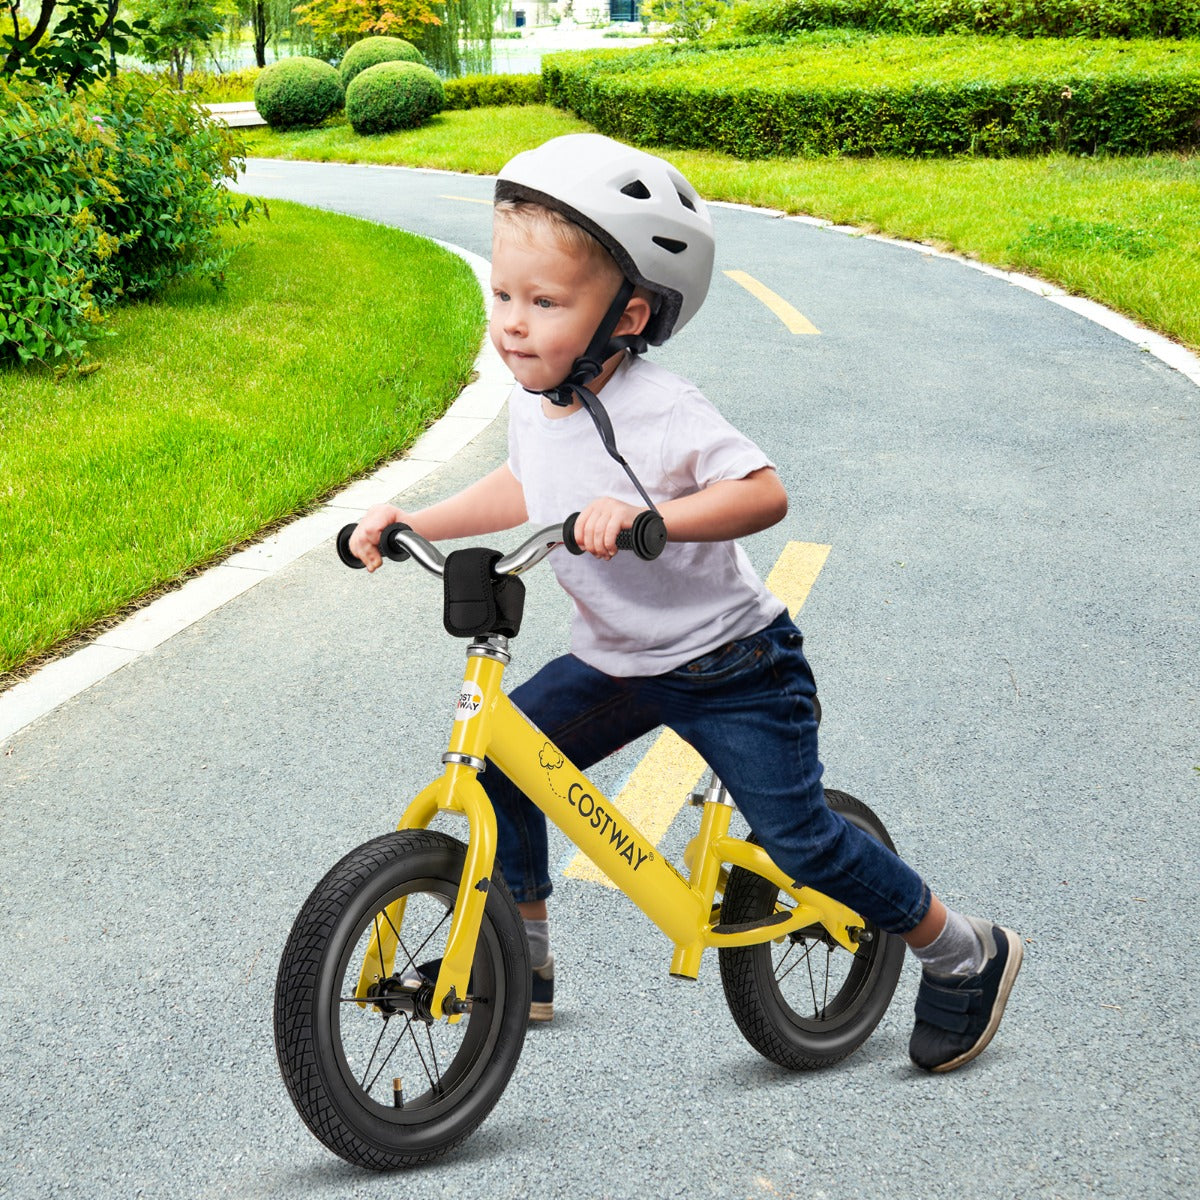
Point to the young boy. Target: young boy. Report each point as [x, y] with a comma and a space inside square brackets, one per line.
[598, 250]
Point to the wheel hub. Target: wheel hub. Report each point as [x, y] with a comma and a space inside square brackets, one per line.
[410, 993]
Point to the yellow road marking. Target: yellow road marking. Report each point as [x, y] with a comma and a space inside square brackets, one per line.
[670, 770]
[796, 322]
[795, 572]
[467, 199]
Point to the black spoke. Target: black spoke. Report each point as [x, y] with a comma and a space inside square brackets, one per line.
[417, 1047]
[412, 958]
[808, 949]
[395, 1046]
[435, 1084]
[374, 1051]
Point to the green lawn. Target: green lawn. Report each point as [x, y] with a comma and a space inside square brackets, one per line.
[216, 413]
[1120, 230]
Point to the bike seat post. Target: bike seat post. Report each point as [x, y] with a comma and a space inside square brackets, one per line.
[715, 793]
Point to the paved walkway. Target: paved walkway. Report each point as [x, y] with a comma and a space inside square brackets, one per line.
[1005, 632]
[238, 114]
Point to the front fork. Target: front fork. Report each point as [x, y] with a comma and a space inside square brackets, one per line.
[460, 791]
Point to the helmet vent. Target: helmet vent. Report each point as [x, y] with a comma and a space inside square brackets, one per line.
[637, 189]
[670, 244]
[686, 201]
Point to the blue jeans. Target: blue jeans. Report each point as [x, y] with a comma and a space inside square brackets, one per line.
[747, 707]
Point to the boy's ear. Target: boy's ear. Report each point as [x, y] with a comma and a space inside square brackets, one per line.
[633, 319]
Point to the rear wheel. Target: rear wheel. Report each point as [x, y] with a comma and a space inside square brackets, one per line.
[381, 1082]
[807, 1002]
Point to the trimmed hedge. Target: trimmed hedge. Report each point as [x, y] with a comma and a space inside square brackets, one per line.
[393, 95]
[856, 94]
[373, 50]
[1025, 18]
[298, 91]
[482, 91]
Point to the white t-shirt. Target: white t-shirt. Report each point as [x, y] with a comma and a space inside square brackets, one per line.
[632, 617]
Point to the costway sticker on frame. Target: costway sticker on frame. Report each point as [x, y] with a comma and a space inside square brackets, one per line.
[470, 701]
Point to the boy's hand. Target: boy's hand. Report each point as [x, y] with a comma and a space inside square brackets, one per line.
[597, 526]
[364, 541]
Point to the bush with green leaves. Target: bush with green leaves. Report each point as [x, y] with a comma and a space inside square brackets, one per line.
[845, 93]
[482, 91]
[393, 95]
[53, 252]
[295, 92]
[1025, 18]
[373, 50]
[221, 87]
[168, 160]
[107, 194]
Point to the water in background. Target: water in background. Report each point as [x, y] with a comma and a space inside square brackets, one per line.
[510, 56]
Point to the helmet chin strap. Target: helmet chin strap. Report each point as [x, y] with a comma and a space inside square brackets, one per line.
[589, 366]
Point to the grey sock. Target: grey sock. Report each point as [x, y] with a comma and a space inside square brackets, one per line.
[957, 950]
[538, 933]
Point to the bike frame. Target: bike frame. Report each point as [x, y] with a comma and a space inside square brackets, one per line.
[487, 725]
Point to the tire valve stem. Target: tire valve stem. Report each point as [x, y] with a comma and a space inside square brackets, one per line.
[397, 1093]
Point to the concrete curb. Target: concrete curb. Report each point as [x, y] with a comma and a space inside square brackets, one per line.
[475, 408]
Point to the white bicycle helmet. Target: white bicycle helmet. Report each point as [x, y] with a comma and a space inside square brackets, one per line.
[642, 210]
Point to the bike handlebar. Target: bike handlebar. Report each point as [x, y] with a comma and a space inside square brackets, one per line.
[398, 542]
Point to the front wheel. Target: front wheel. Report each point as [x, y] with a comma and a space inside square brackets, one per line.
[807, 1002]
[379, 1081]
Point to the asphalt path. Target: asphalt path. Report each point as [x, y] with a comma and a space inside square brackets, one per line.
[1005, 637]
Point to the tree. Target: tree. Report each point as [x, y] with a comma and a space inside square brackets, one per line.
[268, 19]
[337, 24]
[82, 45]
[689, 20]
[176, 30]
[462, 42]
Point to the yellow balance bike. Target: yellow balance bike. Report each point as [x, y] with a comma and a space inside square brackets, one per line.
[403, 993]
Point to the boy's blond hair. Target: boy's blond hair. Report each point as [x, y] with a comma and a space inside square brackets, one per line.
[535, 223]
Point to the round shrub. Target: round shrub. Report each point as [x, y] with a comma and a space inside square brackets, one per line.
[373, 50]
[393, 95]
[297, 91]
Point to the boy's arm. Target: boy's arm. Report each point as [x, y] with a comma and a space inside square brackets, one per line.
[731, 508]
[495, 502]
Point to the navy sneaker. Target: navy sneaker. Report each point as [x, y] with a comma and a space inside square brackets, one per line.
[541, 1004]
[956, 1017]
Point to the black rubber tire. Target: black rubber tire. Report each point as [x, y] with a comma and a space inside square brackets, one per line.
[452, 1075]
[835, 1000]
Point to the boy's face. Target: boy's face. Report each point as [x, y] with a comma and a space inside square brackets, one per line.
[546, 305]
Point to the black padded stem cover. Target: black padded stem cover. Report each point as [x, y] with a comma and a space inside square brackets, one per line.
[476, 602]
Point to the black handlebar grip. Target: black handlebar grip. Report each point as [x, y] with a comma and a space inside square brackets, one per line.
[647, 537]
[388, 546]
[343, 548]
[573, 547]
